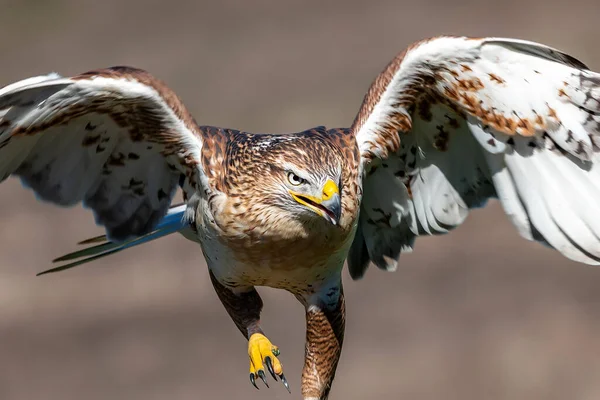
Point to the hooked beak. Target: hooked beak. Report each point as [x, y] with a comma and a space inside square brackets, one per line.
[327, 206]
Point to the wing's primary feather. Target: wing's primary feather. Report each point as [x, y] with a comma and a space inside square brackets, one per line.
[116, 139]
[454, 121]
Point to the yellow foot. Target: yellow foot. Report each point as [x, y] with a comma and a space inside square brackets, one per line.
[262, 352]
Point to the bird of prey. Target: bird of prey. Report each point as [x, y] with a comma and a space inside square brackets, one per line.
[448, 124]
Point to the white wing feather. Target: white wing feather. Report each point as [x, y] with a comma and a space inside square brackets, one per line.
[456, 121]
[117, 140]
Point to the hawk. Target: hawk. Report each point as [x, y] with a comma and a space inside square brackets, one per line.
[448, 124]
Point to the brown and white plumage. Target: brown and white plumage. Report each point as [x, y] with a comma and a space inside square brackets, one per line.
[117, 140]
[480, 118]
[450, 123]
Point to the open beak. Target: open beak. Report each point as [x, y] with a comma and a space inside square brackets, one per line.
[327, 206]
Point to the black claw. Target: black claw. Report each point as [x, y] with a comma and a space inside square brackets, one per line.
[270, 367]
[285, 382]
[275, 352]
[253, 380]
[261, 374]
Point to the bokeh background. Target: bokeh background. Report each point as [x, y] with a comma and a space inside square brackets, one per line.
[477, 314]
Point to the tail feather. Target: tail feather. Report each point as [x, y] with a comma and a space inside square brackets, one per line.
[173, 222]
[101, 238]
[174, 214]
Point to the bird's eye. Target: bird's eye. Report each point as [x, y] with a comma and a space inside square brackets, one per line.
[295, 179]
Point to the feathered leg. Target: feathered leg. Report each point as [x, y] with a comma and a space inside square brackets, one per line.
[325, 322]
[244, 308]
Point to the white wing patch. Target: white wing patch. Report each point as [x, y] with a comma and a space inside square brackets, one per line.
[487, 118]
[426, 191]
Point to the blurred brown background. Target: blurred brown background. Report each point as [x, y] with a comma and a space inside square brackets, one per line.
[477, 314]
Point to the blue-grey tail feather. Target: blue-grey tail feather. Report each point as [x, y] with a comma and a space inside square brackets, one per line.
[172, 222]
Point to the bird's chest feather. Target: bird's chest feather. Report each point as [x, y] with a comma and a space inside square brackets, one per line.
[283, 253]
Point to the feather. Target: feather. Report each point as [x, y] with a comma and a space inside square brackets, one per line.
[173, 222]
[485, 118]
[117, 140]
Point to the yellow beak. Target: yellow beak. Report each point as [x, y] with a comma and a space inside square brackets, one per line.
[328, 205]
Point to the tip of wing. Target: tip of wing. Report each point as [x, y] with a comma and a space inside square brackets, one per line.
[540, 50]
[25, 83]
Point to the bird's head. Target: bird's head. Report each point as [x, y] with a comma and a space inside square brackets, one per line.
[311, 192]
[293, 178]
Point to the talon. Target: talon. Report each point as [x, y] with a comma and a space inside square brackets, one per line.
[253, 380]
[262, 352]
[270, 367]
[261, 374]
[285, 382]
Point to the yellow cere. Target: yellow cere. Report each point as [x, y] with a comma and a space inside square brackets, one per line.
[330, 189]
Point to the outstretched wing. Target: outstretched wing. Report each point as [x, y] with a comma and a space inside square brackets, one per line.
[452, 122]
[116, 139]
